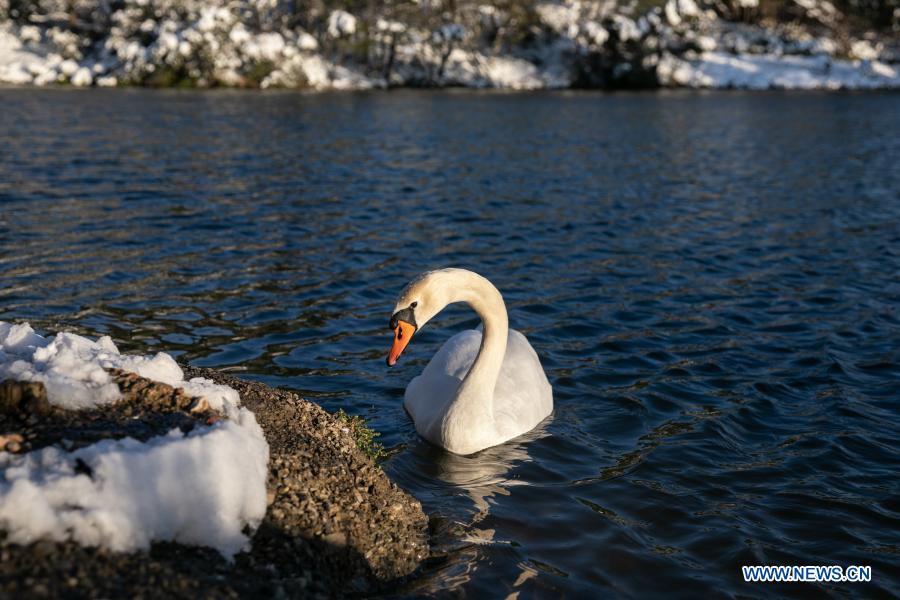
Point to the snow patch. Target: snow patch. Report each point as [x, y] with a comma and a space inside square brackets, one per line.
[513, 73]
[73, 369]
[766, 71]
[82, 77]
[341, 23]
[267, 46]
[307, 42]
[200, 488]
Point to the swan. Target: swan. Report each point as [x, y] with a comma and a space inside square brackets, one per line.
[479, 390]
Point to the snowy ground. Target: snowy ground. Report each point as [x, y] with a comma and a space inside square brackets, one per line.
[199, 488]
[768, 71]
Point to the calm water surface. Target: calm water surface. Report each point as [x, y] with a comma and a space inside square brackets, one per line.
[712, 282]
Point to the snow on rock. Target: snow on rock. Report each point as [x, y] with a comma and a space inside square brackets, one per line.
[767, 71]
[559, 17]
[626, 28]
[311, 70]
[677, 43]
[820, 10]
[203, 487]
[863, 50]
[267, 46]
[82, 77]
[72, 368]
[389, 26]
[307, 42]
[595, 33]
[341, 23]
[513, 73]
[677, 10]
[68, 67]
[17, 63]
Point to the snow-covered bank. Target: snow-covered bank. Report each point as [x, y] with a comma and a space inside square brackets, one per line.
[532, 45]
[335, 524]
[770, 71]
[202, 487]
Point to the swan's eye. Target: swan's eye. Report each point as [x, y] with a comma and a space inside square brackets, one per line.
[414, 304]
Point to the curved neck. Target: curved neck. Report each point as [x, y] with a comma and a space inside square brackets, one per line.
[478, 385]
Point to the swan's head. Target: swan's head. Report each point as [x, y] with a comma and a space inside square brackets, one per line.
[421, 299]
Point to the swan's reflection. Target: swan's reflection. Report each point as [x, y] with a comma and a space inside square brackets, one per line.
[460, 493]
[479, 476]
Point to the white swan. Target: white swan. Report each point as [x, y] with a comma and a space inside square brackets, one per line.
[478, 390]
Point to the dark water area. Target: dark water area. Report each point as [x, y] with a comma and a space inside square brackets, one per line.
[711, 281]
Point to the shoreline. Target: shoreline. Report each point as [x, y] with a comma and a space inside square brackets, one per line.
[335, 524]
[668, 44]
[673, 91]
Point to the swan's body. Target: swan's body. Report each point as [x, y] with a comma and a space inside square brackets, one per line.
[480, 389]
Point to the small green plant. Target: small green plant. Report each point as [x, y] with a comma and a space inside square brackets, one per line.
[363, 435]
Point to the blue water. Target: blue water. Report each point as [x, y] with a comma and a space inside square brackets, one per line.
[712, 282]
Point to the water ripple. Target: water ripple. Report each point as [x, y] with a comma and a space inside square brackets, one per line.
[711, 282]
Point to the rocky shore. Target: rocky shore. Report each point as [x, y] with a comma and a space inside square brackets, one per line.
[754, 44]
[334, 525]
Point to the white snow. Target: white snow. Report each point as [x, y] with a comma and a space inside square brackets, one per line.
[71, 367]
[68, 67]
[821, 10]
[766, 71]
[201, 488]
[307, 42]
[676, 10]
[513, 73]
[863, 50]
[596, 33]
[17, 63]
[627, 28]
[389, 26]
[82, 77]
[266, 46]
[559, 17]
[341, 23]
[723, 54]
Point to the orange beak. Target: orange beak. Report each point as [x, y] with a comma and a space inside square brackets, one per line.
[402, 334]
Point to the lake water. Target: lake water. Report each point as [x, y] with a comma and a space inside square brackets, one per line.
[711, 281]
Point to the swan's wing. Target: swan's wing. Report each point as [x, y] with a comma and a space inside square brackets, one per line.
[523, 396]
[428, 394]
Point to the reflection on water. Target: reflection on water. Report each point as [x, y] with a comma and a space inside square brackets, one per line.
[479, 481]
[710, 281]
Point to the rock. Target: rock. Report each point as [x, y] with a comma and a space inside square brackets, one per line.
[335, 523]
[863, 50]
[341, 23]
[68, 67]
[307, 42]
[82, 77]
[23, 397]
